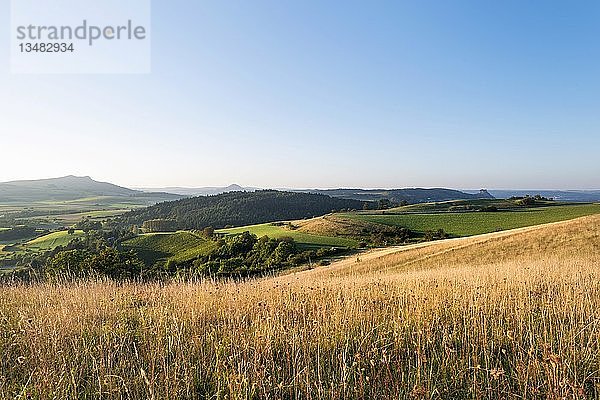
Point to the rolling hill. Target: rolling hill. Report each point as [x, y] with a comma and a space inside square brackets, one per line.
[201, 191]
[176, 246]
[53, 240]
[498, 316]
[475, 223]
[239, 209]
[304, 238]
[69, 188]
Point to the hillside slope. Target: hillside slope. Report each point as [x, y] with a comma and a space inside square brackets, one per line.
[177, 246]
[566, 239]
[240, 208]
[67, 188]
[499, 316]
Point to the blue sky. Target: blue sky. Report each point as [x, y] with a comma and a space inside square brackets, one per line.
[462, 94]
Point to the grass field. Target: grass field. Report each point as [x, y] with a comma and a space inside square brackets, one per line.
[474, 223]
[441, 206]
[302, 238]
[42, 243]
[57, 214]
[53, 240]
[511, 315]
[74, 217]
[179, 246]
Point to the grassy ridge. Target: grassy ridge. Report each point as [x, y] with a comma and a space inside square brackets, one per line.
[179, 246]
[35, 244]
[53, 240]
[507, 316]
[302, 238]
[475, 223]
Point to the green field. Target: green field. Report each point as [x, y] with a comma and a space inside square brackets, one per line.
[475, 223]
[302, 238]
[52, 240]
[443, 206]
[179, 246]
[72, 218]
[42, 243]
[185, 246]
[59, 214]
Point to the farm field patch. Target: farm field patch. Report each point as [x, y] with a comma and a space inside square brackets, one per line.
[474, 223]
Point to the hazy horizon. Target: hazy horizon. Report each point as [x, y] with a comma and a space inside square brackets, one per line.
[224, 185]
[312, 94]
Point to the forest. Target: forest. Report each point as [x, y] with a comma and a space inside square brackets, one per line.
[239, 209]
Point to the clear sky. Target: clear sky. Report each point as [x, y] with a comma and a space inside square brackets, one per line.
[313, 93]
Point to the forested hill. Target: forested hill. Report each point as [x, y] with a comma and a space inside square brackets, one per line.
[240, 208]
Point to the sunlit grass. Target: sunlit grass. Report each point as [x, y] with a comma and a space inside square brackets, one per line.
[302, 238]
[476, 223]
[505, 316]
[179, 246]
[54, 239]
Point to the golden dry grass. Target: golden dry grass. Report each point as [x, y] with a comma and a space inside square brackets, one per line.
[508, 315]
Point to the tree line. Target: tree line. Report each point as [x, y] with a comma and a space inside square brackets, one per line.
[237, 209]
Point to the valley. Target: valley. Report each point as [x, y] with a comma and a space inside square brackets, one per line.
[186, 235]
[275, 292]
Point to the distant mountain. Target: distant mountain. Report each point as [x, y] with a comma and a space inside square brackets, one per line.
[68, 188]
[559, 195]
[202, 191]
[412, 196]
[239, 209]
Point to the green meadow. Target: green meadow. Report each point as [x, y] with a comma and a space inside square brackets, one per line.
[472, 205]
[53, 240]
[302, 238]
[475, 223]
[58, 214]
[38, 244]
[178, 246]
